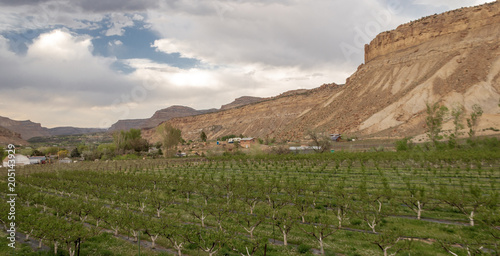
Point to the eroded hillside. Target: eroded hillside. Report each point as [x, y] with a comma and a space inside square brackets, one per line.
[453, 58]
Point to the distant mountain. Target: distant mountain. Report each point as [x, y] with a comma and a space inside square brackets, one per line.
[241, 101]
[28, 129]
[125, 125]
[158, 117]
[173, 112]
[9, 137]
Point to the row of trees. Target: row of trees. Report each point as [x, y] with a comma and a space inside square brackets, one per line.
[436, 115]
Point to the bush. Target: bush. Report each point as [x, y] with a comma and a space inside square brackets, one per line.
[304, 248]
[403, 145]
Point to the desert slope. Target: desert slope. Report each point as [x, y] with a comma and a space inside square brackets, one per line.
[450, 58]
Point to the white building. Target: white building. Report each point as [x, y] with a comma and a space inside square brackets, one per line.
[19, 159]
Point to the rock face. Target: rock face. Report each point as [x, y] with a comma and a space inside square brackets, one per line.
[241, 101]
[457, 24]
[9, 137]
[451, 58]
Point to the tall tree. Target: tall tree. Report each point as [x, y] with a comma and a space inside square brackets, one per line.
[434, 121]
[476, 113]
[203, 136]
[320, 141]
[457, 113]
[171, 138]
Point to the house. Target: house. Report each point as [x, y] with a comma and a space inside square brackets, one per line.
[181, 154]
[20, 160]
[38, 159]
[65, 160]
[304, 149]
[336, 137]
[233, 140]
[246, 142]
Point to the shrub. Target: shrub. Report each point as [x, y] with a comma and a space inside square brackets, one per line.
[303, 248]
[403, 145]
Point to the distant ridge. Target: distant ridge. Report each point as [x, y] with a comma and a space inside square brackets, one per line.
[28, 129]
[241, 101]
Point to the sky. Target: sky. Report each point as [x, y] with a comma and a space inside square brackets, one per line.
[89, 63]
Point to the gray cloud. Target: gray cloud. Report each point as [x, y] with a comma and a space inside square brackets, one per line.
[21, 2]
[117, 5]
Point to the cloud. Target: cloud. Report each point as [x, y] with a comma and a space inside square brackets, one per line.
[290, 33]
[116, 5]
[118, 22]
[59, 73]
[21, 2]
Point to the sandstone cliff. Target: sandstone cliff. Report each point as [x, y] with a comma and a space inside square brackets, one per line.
[452, 58]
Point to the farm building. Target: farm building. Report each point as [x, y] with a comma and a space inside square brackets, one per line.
[232, 140]
[65, 160]
[246, 142]
[20, 160]
[38, 159]
[304, 149]
[336, 137]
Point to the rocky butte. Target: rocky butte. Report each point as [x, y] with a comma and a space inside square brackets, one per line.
[450, 58]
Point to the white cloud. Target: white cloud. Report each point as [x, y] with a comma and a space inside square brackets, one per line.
[118, 22]
[59, 74]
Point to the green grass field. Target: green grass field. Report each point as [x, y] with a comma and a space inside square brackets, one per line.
[351, 203]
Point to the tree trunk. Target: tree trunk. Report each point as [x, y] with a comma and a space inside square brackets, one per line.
[419, 210]
[471, 218]
[71, 250]
[178, 247]
[284, 239]
[55, 247]
[321, 248]
[153, 241]
[372, 225]
[303, 219]
[116, 230]
[40, 243]
[134, 233]
[250, 231]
